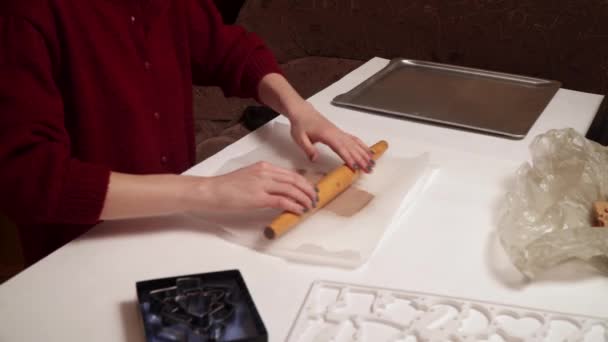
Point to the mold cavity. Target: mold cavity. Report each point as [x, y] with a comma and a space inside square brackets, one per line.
[321, 331]
[596, 334]
[475, 323]
[401, 311]
[313, 329]
[560, 330]
[409, 338]
[444, 314]
[519, 327]
[377, 331]
[358, 303]
[494, 338]
[326, 296]
[346, 332]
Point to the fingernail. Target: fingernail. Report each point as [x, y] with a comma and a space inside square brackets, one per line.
[356, 167]
[369, 169]
[317, 189]
[314, 204]
[373, 162]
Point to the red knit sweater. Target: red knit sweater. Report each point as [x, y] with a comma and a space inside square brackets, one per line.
[91, 86]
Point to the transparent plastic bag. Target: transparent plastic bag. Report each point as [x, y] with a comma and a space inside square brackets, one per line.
[547, 215]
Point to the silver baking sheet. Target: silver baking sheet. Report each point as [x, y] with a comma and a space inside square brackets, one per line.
[476, 99]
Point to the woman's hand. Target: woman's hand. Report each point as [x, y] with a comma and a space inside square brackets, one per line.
[260, 185]
[257, 186]
[308, 126]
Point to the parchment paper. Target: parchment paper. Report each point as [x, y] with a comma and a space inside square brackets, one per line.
[326, 238]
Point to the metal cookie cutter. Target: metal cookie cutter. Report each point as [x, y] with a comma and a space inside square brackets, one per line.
[203, 310]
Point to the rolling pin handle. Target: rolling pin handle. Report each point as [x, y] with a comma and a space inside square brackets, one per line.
[269, 233]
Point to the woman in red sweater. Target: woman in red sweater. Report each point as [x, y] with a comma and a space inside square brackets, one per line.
[96, 115]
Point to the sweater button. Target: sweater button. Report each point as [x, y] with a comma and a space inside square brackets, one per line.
[163, 160]
[157, 115]
[147, 65]
[132, 19]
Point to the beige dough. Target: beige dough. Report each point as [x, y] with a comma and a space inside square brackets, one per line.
[347, 203]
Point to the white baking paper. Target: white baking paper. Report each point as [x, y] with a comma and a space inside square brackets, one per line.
[326, 238]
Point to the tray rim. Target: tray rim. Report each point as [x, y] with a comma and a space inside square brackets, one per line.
[346, 99]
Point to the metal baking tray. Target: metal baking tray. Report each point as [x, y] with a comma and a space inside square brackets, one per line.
[481, 100]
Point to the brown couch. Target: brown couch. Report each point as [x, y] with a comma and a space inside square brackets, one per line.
[318, 41]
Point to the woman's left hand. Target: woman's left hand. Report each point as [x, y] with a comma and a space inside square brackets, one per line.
[308, 127]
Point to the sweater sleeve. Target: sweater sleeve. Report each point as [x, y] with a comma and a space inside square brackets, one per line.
[226, 55]
[40, 181]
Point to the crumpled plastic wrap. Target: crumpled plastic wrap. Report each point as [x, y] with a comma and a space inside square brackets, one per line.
[547, 215]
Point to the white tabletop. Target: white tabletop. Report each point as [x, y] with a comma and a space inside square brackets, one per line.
[446, 244]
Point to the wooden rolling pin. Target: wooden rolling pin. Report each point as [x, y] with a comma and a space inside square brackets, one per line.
[330, 186]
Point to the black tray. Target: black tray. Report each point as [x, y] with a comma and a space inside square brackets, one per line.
[189, 318]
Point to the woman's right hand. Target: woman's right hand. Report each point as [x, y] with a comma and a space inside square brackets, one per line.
[260, 185]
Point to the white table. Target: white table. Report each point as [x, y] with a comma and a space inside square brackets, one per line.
[446, 245]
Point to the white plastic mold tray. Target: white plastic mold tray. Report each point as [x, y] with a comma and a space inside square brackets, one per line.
[341, 312]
